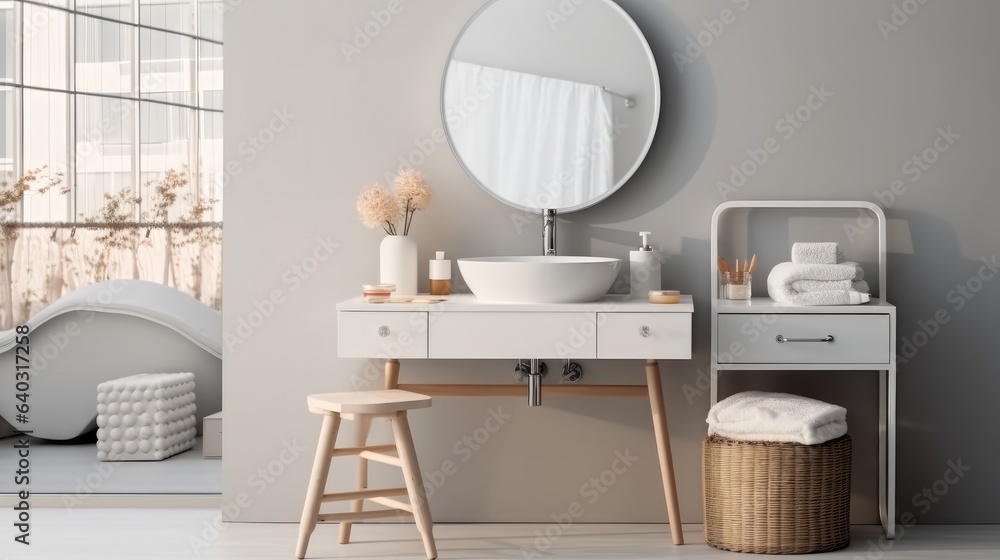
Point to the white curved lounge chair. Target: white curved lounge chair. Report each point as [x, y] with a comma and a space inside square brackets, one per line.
[105, 331]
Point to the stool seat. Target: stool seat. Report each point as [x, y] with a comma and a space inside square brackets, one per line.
[363, 407]
[367, 402]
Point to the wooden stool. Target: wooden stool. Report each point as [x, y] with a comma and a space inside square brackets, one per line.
[364, 406]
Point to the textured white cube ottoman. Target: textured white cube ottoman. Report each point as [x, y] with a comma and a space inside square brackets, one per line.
[150, 416]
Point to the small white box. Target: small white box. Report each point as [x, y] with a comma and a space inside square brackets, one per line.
[211, 439]
[150, 416]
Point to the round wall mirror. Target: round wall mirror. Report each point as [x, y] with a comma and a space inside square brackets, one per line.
[550, 104]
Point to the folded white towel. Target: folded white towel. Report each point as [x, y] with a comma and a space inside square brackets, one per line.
[793, 271]
[760, 416]
[815, 253]
[781, 278]
[828, 285]
[832, 297]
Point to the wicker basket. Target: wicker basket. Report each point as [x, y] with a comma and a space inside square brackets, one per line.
[777, 498]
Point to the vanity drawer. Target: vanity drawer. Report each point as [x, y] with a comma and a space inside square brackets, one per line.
[857, 339]
[513, 335]
[382, 334]
[648, 336]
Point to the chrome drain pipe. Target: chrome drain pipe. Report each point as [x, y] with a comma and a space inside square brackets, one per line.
[535, 384]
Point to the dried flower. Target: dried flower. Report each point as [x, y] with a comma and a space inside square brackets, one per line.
[412, 190]
[377, 207]
[413, 193]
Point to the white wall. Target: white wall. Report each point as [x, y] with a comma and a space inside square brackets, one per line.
[353, 121]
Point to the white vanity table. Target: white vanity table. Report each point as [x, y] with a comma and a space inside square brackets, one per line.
[587, 115]
[464, 328]
[762, 335]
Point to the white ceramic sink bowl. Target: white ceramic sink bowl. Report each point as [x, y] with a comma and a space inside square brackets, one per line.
[538, 279]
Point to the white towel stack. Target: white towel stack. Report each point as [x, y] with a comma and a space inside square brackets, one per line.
[780, 417]
[814, 277]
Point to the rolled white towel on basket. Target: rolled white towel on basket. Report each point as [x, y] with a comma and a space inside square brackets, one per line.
[778, 417]
[815, 253]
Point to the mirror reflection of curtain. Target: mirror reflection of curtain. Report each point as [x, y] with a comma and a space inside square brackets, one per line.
[538, 142]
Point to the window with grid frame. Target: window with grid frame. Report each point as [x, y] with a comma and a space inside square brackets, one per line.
[109, 95]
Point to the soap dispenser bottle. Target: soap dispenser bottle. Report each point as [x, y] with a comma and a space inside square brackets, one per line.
[440, 275]
[644, 269]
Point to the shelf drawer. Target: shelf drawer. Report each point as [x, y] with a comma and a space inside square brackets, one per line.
[513, 335]
[648, 336]
[382, 334]
[752, 339]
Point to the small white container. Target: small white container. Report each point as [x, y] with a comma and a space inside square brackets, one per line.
[644, 269]
[440, 275]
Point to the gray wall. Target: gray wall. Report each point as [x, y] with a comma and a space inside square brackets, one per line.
[294, 247]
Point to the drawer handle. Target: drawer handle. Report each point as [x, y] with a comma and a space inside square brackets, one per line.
[782, 338]
[644, 331]
[383, 331]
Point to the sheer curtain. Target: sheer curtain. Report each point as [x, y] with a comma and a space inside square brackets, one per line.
[536, 141]
[48, 263]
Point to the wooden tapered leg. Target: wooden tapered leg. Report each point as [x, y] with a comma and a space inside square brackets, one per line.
[663, 449]
[317, 481]
[414, 482]
[391, 374]
[364, 426]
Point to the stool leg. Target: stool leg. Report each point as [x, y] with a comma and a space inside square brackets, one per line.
[391, 373]
[655, 387]
[364, 425]
[414, 482]
[317, 481]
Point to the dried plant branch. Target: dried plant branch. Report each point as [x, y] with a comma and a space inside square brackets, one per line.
[33, 180]
[377, 207]
[413, 193]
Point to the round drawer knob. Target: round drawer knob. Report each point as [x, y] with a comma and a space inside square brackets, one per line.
[383, 331]
[644, 331]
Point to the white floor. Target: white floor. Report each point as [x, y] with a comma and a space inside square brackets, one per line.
[83, 534]
[74, 469]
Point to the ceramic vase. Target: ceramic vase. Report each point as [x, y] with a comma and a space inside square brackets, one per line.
[398, 263]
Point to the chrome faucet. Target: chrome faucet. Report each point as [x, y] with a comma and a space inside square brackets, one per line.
[549, 232]
[534, 375]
